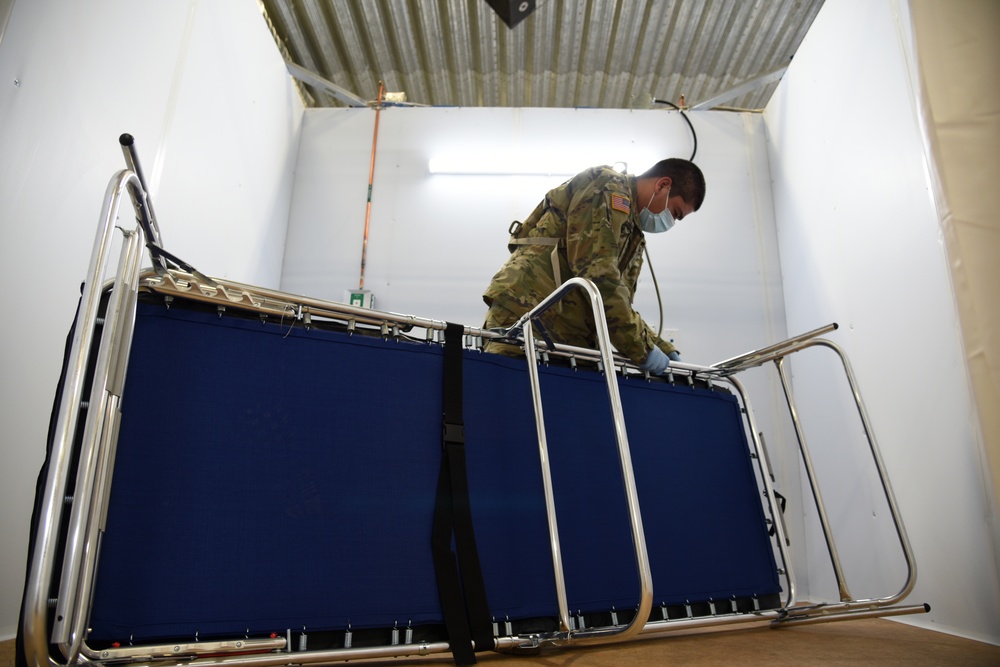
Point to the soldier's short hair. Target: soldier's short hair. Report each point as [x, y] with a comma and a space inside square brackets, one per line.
[688, 181]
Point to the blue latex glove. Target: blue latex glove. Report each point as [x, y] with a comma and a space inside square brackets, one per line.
[656, 362]
[674, 356]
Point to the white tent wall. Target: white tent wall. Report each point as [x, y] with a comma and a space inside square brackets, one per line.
[202, 87]
[860, 244]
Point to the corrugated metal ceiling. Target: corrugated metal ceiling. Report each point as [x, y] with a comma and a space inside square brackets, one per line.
[566, 53]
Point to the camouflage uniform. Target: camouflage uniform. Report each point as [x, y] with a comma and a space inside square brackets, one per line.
[595, 218]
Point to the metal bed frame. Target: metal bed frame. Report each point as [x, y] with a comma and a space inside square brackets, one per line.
[60, 583]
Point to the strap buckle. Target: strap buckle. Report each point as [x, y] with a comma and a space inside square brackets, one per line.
[453, 434]
[515, 228]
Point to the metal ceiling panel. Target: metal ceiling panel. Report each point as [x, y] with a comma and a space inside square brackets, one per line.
[567, 53]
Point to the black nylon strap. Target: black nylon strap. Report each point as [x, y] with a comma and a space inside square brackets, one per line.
[446, 569]
[468, 554]
[452, 381]
[459, 576]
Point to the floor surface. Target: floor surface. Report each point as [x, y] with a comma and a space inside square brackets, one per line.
[858, 642]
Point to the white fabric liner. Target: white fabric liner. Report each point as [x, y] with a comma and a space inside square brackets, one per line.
[958, 58]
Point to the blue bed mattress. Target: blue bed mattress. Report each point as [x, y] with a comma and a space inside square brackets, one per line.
[270, 478]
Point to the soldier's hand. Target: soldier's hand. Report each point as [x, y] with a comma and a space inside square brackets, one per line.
[656, 362]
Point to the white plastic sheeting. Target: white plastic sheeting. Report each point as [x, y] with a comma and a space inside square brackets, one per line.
[959, 64]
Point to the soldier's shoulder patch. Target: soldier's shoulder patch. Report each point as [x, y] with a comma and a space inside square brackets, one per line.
[620, 203]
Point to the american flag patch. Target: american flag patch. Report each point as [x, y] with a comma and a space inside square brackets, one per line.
[620, 203]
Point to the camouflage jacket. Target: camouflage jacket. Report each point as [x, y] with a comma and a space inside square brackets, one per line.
[597, 214]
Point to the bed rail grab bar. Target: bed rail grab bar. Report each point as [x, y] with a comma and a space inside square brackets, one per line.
[543, 452]
[848, 601]
[838, 570]
[51, 507]
[763, 355]
[97, 453]
[525, 323]
[778, 353]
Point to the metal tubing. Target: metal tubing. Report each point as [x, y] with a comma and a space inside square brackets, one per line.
[824, 520]
[281, 658]
[273, 302]
[653, 628]
[77, 543]
[778, 520]
[109, 377]
[618, 416]
[80, 599]
[126, 319]
[765, 354]
[774, 617]
[176, 282]
[680, 625]
[543, 455]
[179, 650]
[625, 457]
[904, 541]
[798, 344]
[127, 142]
[140, 200]
[850, 615]
[51, 507]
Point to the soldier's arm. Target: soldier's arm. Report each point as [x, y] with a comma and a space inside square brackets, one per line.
[631, 277]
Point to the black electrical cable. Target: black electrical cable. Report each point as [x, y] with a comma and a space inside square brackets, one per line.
[656, 285]
[694, 136]
[649, 261]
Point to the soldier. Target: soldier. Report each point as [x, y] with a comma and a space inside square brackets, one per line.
[593, 226]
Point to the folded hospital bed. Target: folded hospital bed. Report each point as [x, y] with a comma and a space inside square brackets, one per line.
[240, 475]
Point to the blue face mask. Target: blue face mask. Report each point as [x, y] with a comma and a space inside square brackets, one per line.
[654, 223]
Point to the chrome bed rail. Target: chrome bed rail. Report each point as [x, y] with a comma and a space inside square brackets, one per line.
[98, 410]
[567, 633]
[848, 606]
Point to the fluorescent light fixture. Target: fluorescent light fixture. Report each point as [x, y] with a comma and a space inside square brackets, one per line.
[554, 163]
[503, 165]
